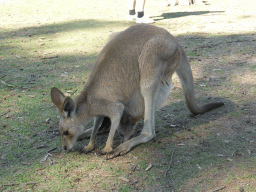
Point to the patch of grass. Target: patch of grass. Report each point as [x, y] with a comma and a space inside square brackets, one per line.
[229, 179]
[236, 114]
[252, 67]
[55, 43]
[250, 188]
[219, 72]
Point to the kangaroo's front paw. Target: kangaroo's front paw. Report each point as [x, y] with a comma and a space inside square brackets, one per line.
[88, 148]
[106, 150]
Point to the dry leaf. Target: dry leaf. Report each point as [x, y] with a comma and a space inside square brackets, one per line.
[149, 167]
[124, 179]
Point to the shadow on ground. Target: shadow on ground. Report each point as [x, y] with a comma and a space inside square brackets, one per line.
[172, 15]
[173, 118]
[57, 28]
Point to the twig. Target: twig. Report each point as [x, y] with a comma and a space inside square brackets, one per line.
[12, 184]
[168, 168]
[45, 157]
[51, 149]
[5, 113]
[2, 77]
[41, 147]
[234, 153]
[220, 188]
[136, 181]
[94, 175]
[50, 57]
[50, 161]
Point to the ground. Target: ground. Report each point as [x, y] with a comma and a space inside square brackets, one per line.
[54, 43]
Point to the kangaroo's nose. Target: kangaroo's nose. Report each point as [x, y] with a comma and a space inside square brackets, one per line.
[65, 148]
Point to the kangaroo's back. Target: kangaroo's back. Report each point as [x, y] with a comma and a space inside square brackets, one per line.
[116, 73]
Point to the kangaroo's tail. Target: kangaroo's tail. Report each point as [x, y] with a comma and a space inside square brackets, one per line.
[185, 75]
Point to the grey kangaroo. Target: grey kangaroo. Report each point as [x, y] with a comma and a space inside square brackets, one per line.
[131, 78]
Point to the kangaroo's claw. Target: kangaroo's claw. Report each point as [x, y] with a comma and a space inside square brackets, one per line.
[99, 153]
[120, 150]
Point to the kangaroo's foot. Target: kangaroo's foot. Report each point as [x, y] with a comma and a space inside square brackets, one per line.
[120, 150]
[88, 148]
[106, 150]
[126, 146]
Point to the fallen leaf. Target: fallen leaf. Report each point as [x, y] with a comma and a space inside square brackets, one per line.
[216, 70]
[149, 167]
[48, 120]
[124, 179]
[202, 85]
[198, 166]
[7, 84]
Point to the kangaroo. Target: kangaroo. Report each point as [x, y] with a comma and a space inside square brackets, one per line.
[131, 78]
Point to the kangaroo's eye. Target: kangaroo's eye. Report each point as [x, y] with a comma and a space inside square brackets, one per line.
[65, 132]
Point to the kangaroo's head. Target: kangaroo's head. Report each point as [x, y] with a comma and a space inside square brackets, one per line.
[72, 123]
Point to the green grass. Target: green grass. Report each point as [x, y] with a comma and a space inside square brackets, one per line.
[55, 43]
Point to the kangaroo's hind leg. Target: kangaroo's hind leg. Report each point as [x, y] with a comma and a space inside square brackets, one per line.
[164, 91]
[149, 92]
[152, 72]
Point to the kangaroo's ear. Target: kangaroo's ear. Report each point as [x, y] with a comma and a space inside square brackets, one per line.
[57, 97]
[66, 105]
[69, 107]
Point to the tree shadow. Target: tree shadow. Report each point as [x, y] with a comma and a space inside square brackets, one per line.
[57, 28]
[172, 15]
